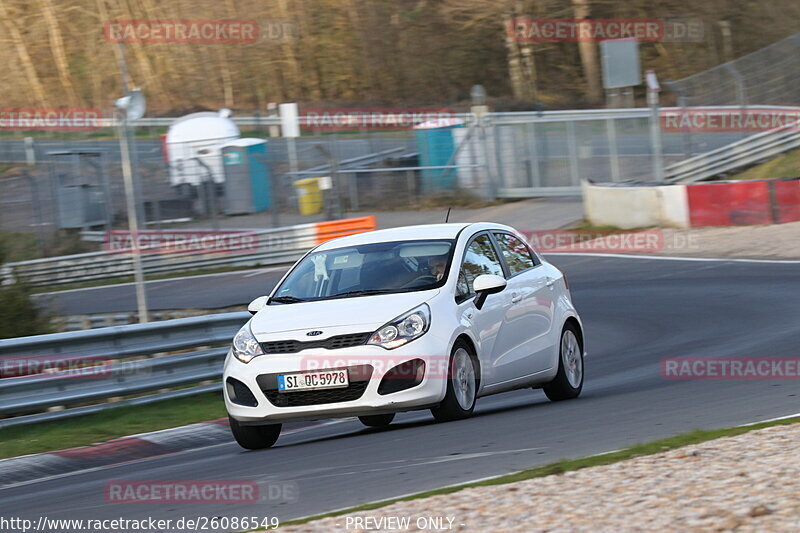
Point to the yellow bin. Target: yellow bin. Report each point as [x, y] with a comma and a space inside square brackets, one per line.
[309, 196]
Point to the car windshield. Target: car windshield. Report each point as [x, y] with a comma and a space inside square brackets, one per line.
[377, 268]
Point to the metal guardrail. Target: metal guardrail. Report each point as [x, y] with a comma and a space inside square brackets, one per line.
[123, 372]
[106, 320]
[273, 246]
[748, 151]
[498, 118]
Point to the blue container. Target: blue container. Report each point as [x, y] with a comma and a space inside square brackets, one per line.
[436, 148]
[247, 180]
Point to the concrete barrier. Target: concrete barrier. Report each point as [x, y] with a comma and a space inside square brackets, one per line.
[637, 206]
[722, 203]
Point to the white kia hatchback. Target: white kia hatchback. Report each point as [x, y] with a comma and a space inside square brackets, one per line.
[421, 317]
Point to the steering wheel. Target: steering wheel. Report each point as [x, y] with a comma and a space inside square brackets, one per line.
[421, 280]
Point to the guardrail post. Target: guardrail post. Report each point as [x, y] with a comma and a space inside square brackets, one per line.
[501, 180]
[534, 173]
[613, 153]
[411, 183]
[353, 190]
[572, 146]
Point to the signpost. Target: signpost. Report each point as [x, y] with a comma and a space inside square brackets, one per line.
[131, 107]
[621, 70]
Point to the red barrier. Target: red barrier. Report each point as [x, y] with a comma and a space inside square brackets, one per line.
[729, 203]
[787, 200]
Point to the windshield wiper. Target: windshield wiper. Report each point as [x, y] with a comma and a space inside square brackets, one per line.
[286, 299]
[362, 292]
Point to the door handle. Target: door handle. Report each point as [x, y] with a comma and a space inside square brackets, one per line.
[550, 282]
[515, 297]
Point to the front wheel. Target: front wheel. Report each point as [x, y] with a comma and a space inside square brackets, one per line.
[568, 382]
[462, 386]
[254, 437]
[377, 421]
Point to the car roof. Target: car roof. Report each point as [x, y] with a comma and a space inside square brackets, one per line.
[408, 233]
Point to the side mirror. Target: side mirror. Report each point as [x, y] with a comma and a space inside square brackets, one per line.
[487, 284]
[257, 305]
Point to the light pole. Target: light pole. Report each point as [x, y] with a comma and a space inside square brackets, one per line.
[131, 107]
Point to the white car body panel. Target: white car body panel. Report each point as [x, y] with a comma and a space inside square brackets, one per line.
[516, 342]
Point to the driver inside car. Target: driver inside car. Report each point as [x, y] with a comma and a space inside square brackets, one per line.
[436, 265]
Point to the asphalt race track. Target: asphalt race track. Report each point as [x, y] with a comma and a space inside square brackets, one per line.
[636, 312]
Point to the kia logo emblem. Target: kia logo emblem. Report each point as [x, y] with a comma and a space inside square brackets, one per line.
[314, 333]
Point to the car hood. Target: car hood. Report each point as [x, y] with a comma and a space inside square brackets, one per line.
[357, 314]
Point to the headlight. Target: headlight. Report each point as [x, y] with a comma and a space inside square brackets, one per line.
[403, 329]
[245, 346]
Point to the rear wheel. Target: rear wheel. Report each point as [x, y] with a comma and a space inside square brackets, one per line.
[254, 437]
[462, 386]
[377, 421]
[568, 382]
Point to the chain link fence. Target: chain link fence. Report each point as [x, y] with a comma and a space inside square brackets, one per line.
[54, 186]
[769, 76]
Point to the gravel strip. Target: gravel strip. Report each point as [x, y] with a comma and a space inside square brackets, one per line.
[747, 483]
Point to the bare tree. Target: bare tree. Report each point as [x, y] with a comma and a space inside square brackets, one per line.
[588, 53]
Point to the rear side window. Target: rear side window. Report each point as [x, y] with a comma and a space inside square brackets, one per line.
[516, 253]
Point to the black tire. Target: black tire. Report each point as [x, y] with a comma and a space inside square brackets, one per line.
[451, 408]
[565, 386]
[377, 421]
[254, 437]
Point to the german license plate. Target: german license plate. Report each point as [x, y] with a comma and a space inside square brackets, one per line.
[325, 379]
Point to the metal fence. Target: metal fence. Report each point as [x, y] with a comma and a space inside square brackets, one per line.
[502, 155]
[153, 362]
[268, 247]
[769, 76]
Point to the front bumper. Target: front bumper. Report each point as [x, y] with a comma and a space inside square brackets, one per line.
[258, 376]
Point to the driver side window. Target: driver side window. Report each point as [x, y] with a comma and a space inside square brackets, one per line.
[480, 258]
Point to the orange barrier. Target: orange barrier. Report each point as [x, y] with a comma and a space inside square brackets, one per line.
[341, 228]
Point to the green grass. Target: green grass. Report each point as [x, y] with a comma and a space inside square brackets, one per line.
[23, 246]
[18, 246]
[785, 166]
[99, 427]
[568, 465]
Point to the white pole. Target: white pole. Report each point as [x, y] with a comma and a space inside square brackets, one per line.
[653, 89]
[133, 219]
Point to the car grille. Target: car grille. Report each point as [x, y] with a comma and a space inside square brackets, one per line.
[269, 386]
[331, 343]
